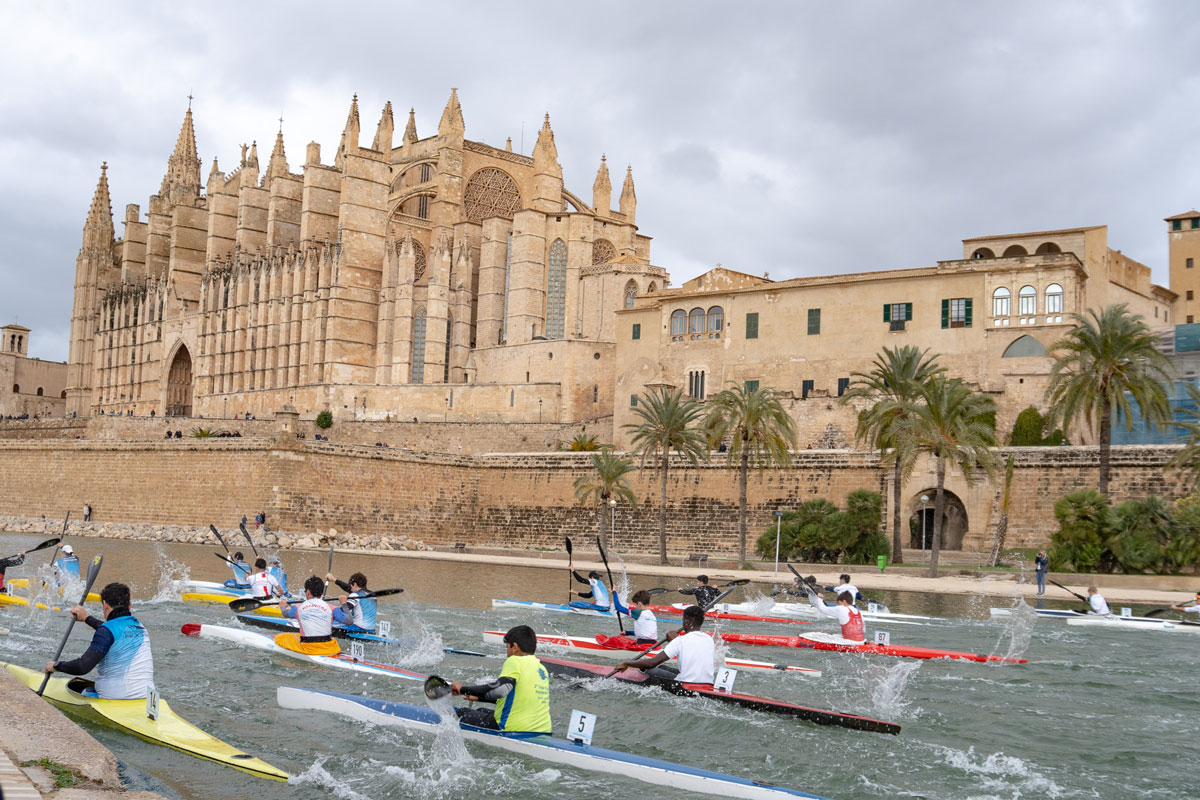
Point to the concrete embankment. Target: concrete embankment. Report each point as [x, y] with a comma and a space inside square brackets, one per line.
[35, 731]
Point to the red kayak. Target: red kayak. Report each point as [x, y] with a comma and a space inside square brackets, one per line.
[579, 669]
[671, 611]
[870, 648]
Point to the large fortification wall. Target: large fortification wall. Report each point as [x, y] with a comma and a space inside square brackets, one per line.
[518, 500]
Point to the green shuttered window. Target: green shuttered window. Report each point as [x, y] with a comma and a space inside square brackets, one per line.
[814, 321]
[956, 312]
[637, 330]
[752, 325]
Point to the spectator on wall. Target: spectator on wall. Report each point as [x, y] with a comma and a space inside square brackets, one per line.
[87, 512]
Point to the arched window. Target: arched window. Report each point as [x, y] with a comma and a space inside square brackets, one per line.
[716, 319]
[678, 322]
[64, 394]
[983, 252]
[630, 294]
[20, 343]
[652, 288]
[1048, 247]
[417, 374]
[1054, 299]
[1001, 302]
[1015, 250]
[39, 392]
[696, 321]
[1027, 301]
[556, 290]
[16, 388]
[1025, 347]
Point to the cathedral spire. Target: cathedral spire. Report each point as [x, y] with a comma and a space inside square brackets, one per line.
[602, 189]
[545, 153]
[383, 134]
[98, 229]
[181, 184]
[252, 161]
[350, 133]
[628, 197]
[277, 164]
[410, 130]
[452, 118]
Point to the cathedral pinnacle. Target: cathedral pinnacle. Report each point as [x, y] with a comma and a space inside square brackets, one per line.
[410, 130]
[277, 164]
[181, 184]
[98, 230]
[383, 134]
[452, 118]
[602, 189]
[545, 153]
[628, 196]
[350, 133]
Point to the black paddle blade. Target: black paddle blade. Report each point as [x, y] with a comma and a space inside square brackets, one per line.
[249, 604]
[220, 539]
[657, 590]
[246, 533]
[436, 688]
[738, 582]
[44, 545]
[569, 548]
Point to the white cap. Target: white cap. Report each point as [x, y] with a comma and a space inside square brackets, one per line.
[68, 550]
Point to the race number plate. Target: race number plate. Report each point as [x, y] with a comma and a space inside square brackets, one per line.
[1126, 612]
[725, 679]
[357, 651]
[872, 608]
[582, 725]
[883, 638]
[383, 628]
[152, 703]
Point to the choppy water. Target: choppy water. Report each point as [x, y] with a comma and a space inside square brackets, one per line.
[1095, 714]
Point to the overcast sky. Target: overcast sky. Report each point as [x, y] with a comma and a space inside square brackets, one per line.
[790, 138]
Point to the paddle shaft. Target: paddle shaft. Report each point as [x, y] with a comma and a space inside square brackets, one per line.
[570, 567]
[58, 542]
[1065, 589]
[246, 533]
[41, 546]
[328, 570]
[612, 587]
[244, 604]
[93, 573]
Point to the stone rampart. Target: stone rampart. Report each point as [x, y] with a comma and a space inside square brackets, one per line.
[523, 500]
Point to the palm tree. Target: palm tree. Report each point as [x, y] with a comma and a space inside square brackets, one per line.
[1108, 358]
[759, 430]
[896, 375]
[667, 424]
[954, 425]
[606, 480]
[1187, 460]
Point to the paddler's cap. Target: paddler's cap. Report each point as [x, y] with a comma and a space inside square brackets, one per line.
[594, 574]
[68, 550]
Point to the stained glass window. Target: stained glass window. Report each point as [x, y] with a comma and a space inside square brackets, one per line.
[556, 290]
[418, 348]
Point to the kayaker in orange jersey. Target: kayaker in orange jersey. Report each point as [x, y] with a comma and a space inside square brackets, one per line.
[849, 617]
[695, 651]
[315, 618]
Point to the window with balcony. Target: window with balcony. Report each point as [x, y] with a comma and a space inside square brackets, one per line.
[897, 315]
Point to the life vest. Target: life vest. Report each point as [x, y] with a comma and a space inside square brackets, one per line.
[261, 584]
[853, 629]
[127, 670]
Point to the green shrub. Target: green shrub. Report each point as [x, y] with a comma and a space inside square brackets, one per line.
[1029, 430]
[1082, 528]
[203, 433]
[819, 532]
[325, 420]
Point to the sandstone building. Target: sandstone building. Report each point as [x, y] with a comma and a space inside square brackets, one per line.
[28, 386]
[426, 276]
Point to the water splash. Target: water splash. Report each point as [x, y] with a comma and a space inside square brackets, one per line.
[1018, 626]
[887, 685]
[172, 577]
[317, 775]
[419, 644]
[1000, 772]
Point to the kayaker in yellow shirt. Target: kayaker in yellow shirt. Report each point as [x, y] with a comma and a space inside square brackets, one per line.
[521, 693]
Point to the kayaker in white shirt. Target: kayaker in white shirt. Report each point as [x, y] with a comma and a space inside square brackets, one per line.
[845, 586]
[1193, 606]
[1097, 602]
[694, 650]
[645, 624]
[315, 619]
[263, 584]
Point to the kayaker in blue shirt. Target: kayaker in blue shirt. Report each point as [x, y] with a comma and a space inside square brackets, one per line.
[355, 613]
[241, 572]
[602, 599]
[280, 575]
[67, 567]
[119, 652]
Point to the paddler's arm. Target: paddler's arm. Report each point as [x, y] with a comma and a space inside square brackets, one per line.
[819, 605]
[102, 640]
[644, 663]
[486, 692]
[579, 579]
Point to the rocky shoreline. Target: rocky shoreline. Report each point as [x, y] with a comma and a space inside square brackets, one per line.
[269, 539]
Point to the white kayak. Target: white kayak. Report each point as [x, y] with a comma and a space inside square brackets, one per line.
[1136, 623]
[539, 745]
[873, 611]
[1069, 615]
[264, 641]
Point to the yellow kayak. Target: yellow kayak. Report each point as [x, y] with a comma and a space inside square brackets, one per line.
[169, 730]
[19, 600]
[224, 600]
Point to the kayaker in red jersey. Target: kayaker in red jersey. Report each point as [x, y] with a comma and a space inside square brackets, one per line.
[849, 617]
[695, 651]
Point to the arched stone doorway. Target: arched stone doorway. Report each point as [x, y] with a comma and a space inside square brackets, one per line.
[954, 521]
[179, 384]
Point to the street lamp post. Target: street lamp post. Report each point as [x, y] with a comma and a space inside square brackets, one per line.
[924, 525]
[778, 523]
[612, 529]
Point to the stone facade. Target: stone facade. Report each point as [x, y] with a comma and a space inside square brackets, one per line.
[435, 275]
[989, 316]
[28, 386]
[1183, 260]
[515, 500]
